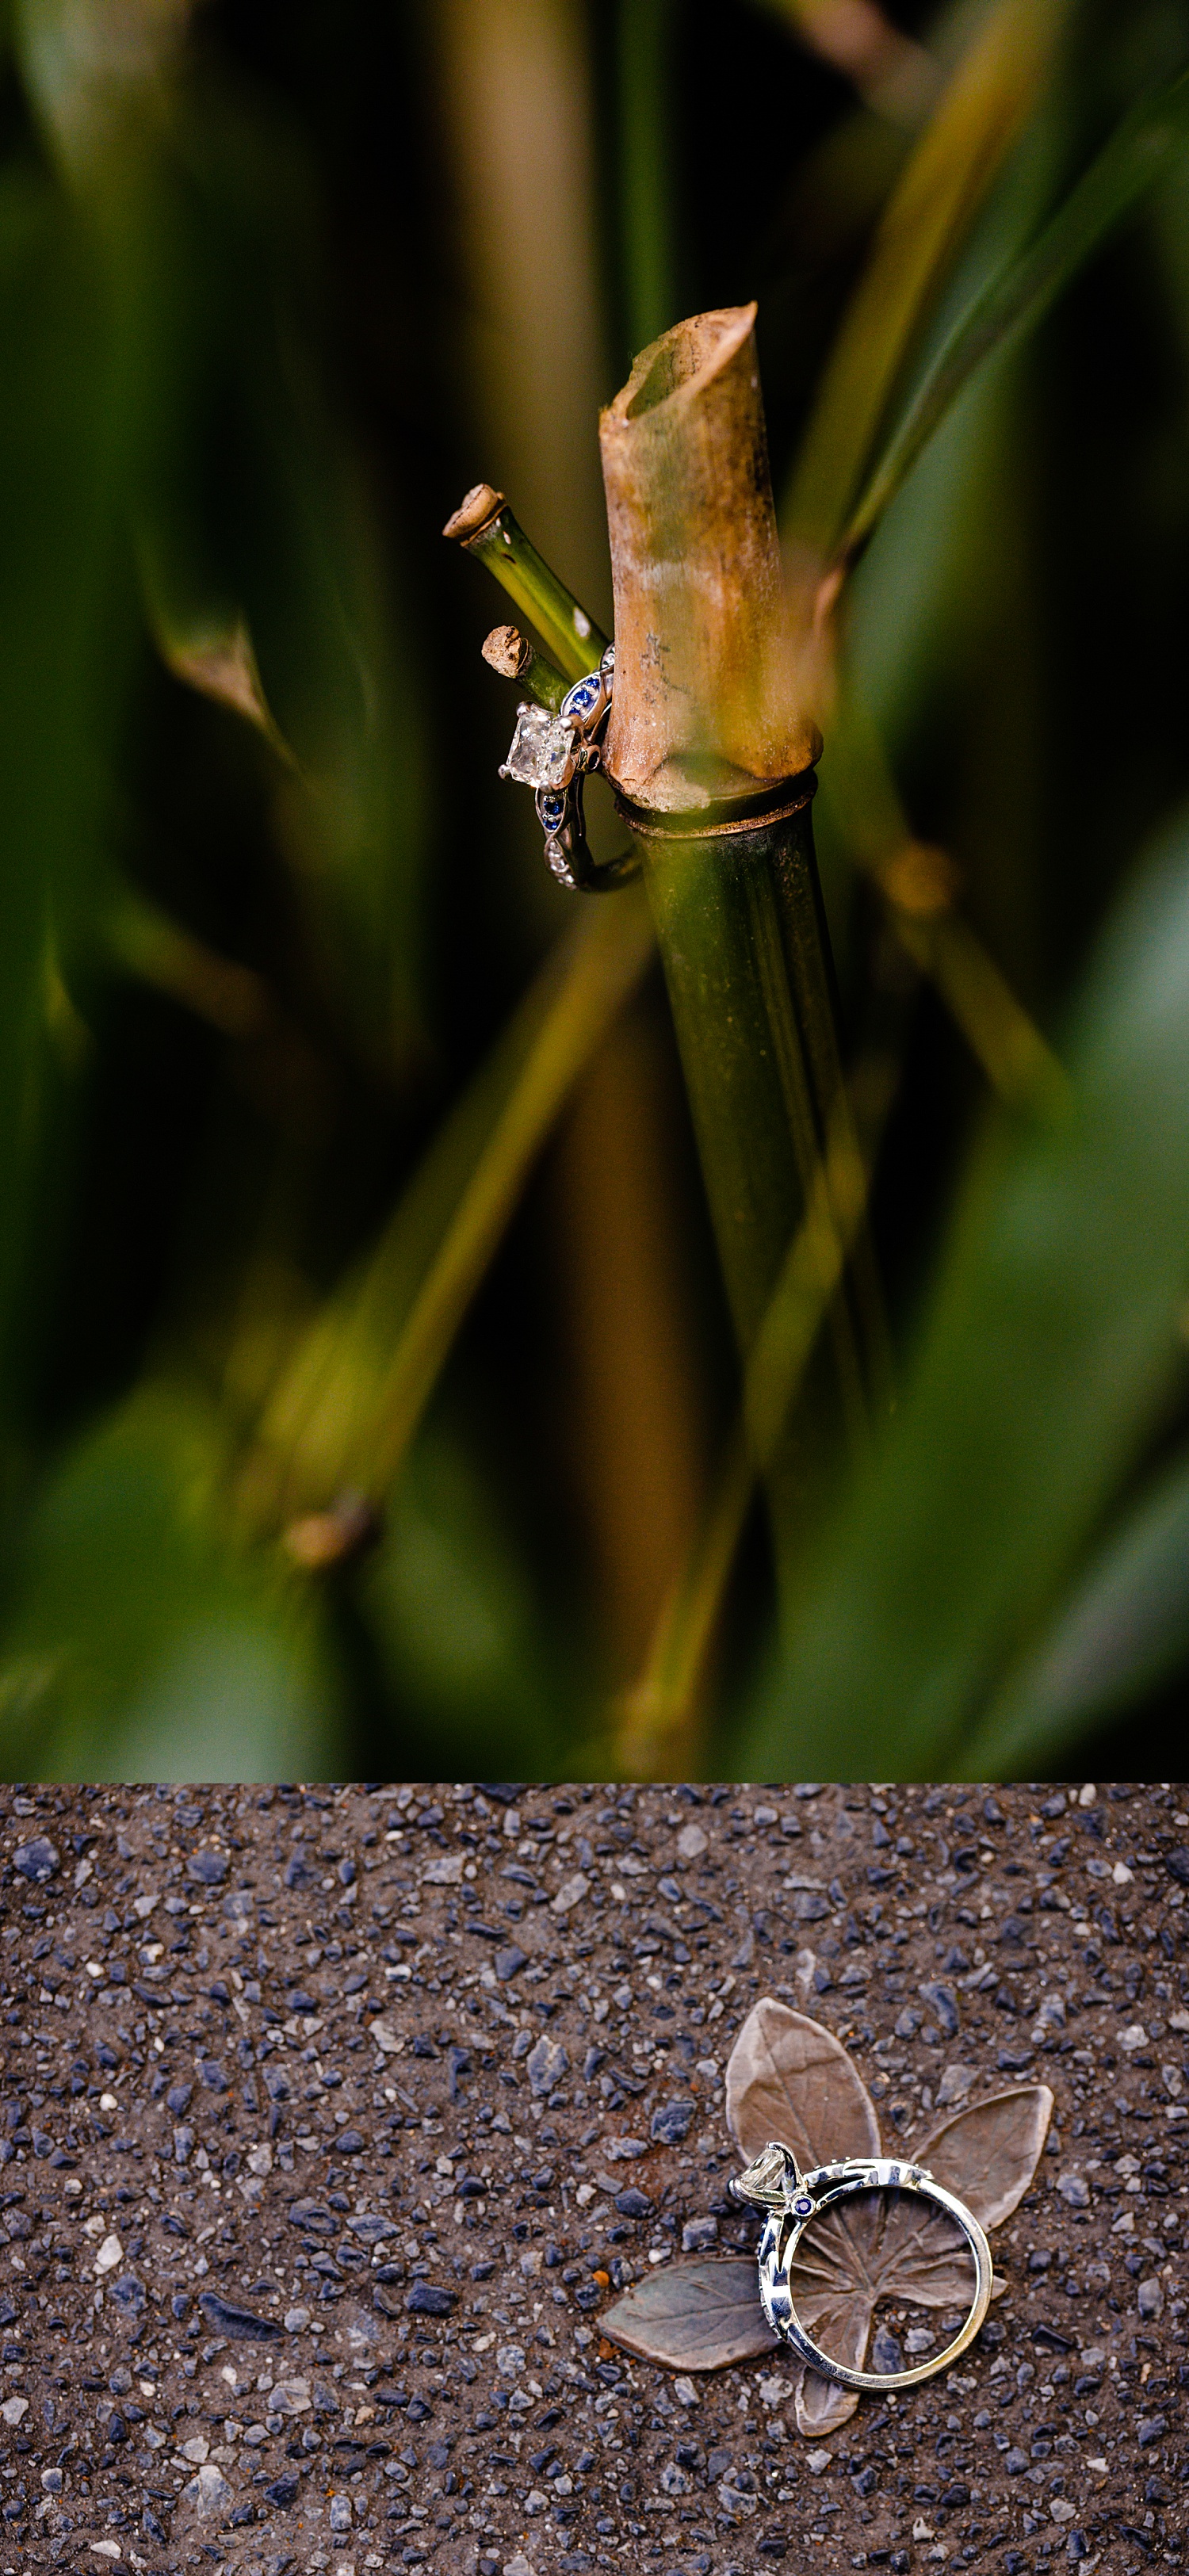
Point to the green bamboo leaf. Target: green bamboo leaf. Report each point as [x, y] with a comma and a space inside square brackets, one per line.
[1122, 1632]
[359, 1382]
[1051, 1354]
[67, 428]
[918, 240]
[459, 1629]
[258, 557]
[139, 1641]
[646, 33]
[1137, 155]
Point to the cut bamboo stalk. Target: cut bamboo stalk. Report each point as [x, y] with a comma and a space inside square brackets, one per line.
[703, 708]
[710, 749]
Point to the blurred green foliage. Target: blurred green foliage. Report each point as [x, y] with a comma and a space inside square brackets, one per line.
[344, 1289]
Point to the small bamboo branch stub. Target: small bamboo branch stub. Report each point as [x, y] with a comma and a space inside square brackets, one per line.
[510, 653]
[485, 525]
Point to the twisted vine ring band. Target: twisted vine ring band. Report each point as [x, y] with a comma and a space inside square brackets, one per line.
[792, 2200]
[552, 753]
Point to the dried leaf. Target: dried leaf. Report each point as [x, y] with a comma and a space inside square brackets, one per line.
[871, 2250]
[987, 2155]
[223, 666]
[821, 2405]
[881, 2247]
[788, 2078]
[693, 2316]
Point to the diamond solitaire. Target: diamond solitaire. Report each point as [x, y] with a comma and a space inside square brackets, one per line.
[543, 750]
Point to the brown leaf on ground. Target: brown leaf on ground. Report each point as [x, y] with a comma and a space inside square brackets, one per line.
[693, 2316]
[988, 2155]
[788, 2078]
[851, 2259]
[791, 2080]
[820, 2404]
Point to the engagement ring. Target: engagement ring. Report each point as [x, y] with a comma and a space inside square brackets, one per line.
[552, 754]
[792, 2200]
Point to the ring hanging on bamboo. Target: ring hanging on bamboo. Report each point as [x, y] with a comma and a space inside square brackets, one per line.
[792, 2200]
[553, 753]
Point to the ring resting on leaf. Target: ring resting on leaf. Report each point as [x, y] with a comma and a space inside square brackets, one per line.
[792, 2200]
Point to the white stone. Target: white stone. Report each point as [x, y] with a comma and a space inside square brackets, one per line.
[110, 2253]
[1135, 2036]
[1061, 2509]
[570, 1893]
[13, 2409]
[209, 2492]
[519, 2565]
[445, 1872]
[290, 2397]
[955, 2084]
[542, 752]
[685, 2392]
[197, 2450]
[387, 2040]
[817, 2461]
[691, 1842]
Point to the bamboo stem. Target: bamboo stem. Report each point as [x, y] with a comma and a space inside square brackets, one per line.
[711, 756]
[510, 653]
[488, 529]
[658, 1723]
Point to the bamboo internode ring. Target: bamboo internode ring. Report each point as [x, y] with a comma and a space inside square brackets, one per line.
[730, 815]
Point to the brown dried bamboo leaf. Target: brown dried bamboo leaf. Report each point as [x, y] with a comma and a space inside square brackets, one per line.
[693, 2316]
[788, 2078]
[988, 2155]
[822, 2405]
[221, 664]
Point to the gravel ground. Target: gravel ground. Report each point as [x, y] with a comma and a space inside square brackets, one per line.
[198, 2116]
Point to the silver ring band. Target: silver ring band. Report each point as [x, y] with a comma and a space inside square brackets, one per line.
[792, 2200]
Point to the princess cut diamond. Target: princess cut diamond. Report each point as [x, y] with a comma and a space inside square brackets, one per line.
[542, 753]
